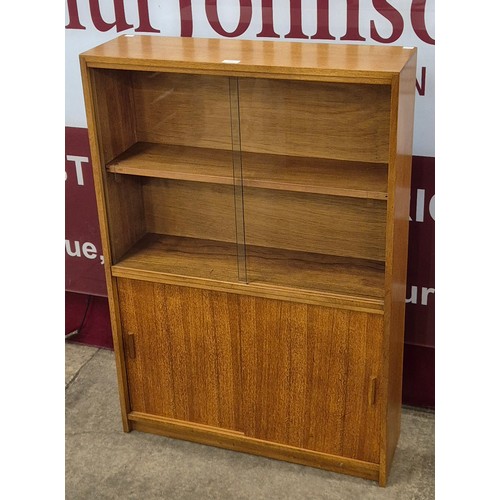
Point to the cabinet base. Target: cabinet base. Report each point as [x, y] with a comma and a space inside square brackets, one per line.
[237, 441]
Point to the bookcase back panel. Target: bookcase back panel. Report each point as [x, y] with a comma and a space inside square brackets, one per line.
[183, 109]
[337, 121]
[321, 224]
[191, 209]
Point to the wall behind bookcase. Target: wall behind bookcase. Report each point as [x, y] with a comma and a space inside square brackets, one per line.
[409, 23]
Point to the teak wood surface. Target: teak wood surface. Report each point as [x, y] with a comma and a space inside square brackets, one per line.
[202, 356]
[265, 171]
[253, 199]
[290, 60]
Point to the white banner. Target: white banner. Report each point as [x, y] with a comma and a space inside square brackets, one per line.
[374, 22]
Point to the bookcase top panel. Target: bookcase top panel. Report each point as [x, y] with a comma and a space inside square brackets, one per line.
[251, 57]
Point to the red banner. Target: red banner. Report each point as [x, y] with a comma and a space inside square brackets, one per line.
[84, 262]
[420, 281]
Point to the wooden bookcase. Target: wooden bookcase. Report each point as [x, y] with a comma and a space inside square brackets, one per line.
[253, 199]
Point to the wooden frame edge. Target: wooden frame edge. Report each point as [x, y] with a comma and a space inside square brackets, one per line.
[98, 172]
[237, 441]
[258, 290]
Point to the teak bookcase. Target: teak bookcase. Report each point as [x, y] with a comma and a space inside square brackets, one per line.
[253, 199]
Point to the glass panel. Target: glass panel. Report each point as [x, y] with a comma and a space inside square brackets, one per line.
[167, 148]
[314, 170]
[238, 179]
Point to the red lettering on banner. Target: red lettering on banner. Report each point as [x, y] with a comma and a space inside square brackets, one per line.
[186, 11]
[417, 15]
[393, 16]
[74, 19]
[144, 23]
[323, 22]
[352, 32]
[421, 86]
[267, 20]
[243, 23]
[120, 22]
[296, 20]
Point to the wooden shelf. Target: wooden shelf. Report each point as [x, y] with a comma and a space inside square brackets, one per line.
[168, 161]
[315, 175]
[274, 271]
[189, 257]
[324, 273]
[265, 171]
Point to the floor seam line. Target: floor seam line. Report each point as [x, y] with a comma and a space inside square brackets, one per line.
[72, 379]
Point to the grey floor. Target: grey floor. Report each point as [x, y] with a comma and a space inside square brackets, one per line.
[104, 462]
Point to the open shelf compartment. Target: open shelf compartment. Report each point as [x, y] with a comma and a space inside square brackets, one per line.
[203, 166]
[213, 263]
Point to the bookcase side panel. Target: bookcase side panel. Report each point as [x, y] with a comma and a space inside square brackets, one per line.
[125, 213]
[115, 115]
[105, 146]
[397, 255]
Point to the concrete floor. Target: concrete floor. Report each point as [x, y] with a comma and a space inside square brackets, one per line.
[103, 462]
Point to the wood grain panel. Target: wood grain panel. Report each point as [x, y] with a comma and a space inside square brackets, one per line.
[182, 109]
[364, 360]
[191, 209]
[327, 339]
[187, 359]
[403, 96]
[349, 122]
[315, 223]
[115, 116]
[298, 362]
